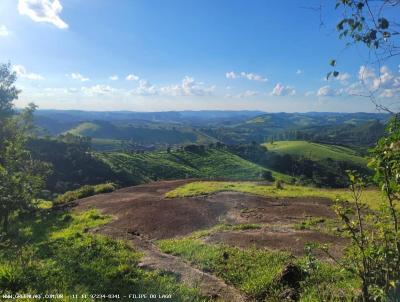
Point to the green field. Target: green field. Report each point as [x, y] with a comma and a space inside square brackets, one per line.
[210, 164]
[56, 254]
[260, 269]
[372, 197]
[315, 151]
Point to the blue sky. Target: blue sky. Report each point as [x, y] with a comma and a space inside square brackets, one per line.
[156, 55]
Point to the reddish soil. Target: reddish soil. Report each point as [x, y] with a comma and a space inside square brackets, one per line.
[144, 210]
[142, 214]
[289, 241]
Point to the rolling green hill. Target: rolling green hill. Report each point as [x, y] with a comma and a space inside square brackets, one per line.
[145, 133]
[210, 164]
[315, 151]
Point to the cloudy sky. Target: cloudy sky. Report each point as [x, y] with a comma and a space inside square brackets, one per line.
[156, 55]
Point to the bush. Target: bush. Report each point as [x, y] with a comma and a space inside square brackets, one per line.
[267, 175]
[85, 191]
[105, 188]
[279, 184]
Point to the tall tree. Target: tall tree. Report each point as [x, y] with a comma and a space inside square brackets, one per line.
[21, 177]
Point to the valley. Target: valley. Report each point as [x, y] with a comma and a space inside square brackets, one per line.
[180, 207]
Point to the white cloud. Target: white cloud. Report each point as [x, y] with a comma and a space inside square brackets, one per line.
[253, 77]
[386, 84]
[97, 90]
[78, 77]
[308, 93]
[281, 90]
[327, 91]
[145, 88]
[21, 72]
[113, 78]
[245, 75]
[247, 93]
[365, 73]
[43, 11]
[299, 71]
[343, 78]
[132, 77]
[4, 32]
[231, 75]
[188, 87]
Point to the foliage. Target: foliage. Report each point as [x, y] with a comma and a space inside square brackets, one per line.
[367, 23]
[374, 25]
[21, 177]
[374, 254]
[72, 163]
[55, 254]
[8, 91]
[312, 163]
[85, 191]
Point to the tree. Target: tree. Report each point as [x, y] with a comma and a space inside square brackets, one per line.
[374, 25]
[374, 252]
[21, 177]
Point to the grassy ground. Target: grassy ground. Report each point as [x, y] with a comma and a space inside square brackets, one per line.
[256, 272]
[371, 197]
[55, 253]
[212, 164]
[316, 151]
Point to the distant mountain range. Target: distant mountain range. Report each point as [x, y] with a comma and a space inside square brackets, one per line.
[111, 130]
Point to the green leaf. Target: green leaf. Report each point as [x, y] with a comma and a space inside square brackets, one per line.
[332, 62]
[383, 23]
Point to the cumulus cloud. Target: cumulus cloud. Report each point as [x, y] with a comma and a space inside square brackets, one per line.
[282, 90]
[43, 11]
[245, 75]
[386, 84]
[132, 77]
[299, 71]
[78, 77]
[22, 73]
[4, 32]
[113, 78]
[343, 78]
[145, 88]
[231, 75]
[188, 87]
[327, 91]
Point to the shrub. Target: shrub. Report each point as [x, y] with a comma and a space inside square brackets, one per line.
[267, 175]
[105, 188]
[85, 191]
[279, 184]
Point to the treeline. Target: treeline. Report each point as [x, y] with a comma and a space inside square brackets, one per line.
[323, 173]
[72, 163]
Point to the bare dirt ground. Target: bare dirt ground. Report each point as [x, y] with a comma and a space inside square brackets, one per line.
[142, 215]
